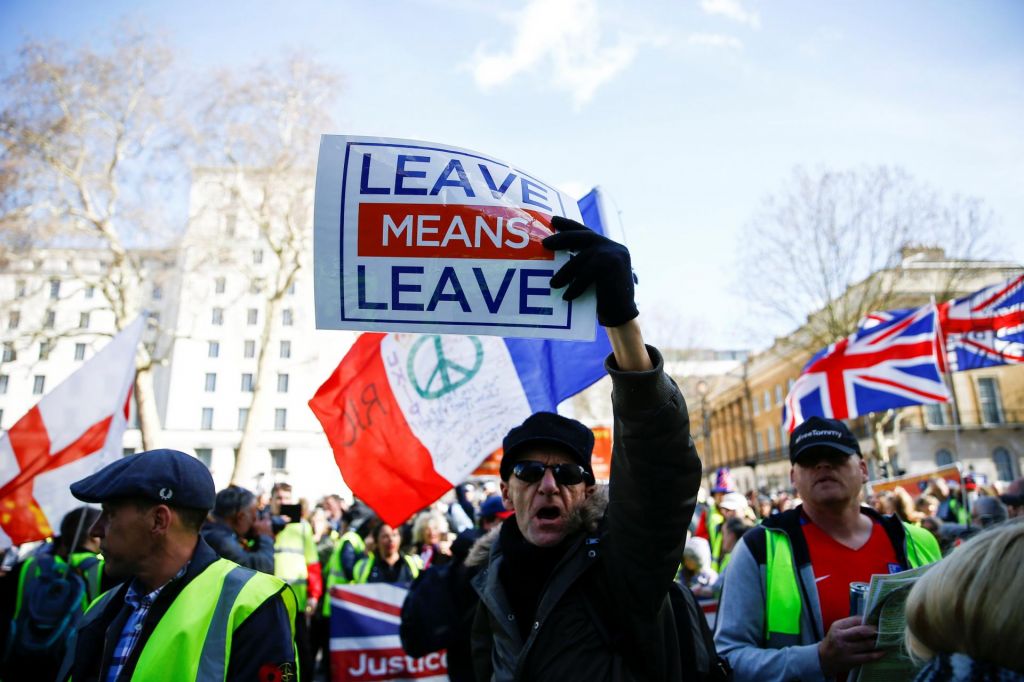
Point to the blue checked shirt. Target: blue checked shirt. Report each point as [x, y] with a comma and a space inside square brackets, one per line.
[140, 605]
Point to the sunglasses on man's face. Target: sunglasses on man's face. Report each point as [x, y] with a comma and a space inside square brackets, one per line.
[529, 471]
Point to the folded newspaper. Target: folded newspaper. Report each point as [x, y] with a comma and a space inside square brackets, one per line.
[884, 608]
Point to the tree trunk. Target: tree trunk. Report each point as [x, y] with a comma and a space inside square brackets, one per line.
[145, 404]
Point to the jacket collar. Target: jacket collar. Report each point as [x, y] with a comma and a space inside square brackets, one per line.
[790, 522]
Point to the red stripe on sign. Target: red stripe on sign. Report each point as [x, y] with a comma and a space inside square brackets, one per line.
[361, 600]
[378, 665]
[453, 231]
[380, 458]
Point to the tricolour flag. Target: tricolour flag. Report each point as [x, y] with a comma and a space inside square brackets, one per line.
[409, 415]
[75, 430]
[365, 641]
[985, 328]
[892, 360]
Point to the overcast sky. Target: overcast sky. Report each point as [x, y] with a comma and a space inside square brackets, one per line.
[686, 112]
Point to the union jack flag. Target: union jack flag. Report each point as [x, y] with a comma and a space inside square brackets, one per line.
[986, 328]
[892, 360]
[365, 642]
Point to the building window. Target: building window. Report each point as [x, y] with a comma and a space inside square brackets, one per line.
[38, 384]
[249, 350]
[943, 458]
[935, 414]
[211, 382]
[286, 317]
[218, 316]
[286, 349]
[282, 383]
[280, 419]
[13, 319]
[10, 355]
[783, 436]
[83, 320]
[755, 406]
[126, 452]
[20, 289]
[257, 256]
[778, 394]
[789, 386]
[291, 289]
[158, 292]
[90, 291]
[231, 224]
[771, 439]
[988, 399]
[767, 400]
[212, 349]
[220, 285]
[206, 422]
[54, 289]
[252, 316]
[3, 383]
[247, 383]
[255, 286]
[205, 455]
[44, 349]
[1004, 464]
[760, 442]
[243, 416]
[50, 320]
[79, 351]
[278, 459]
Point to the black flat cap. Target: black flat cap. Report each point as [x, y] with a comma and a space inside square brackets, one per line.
[552, 430]
[164, 476]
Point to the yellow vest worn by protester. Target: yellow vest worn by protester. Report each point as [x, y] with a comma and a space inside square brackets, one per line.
[361, 573]
[782, 591]
[294, 549]
[335, 573]
[192, 641]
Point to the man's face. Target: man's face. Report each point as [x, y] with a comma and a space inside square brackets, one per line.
[126, 538]
[243, 519]
[829, 477]
[544, 510]
[333, 506]
[280, 497]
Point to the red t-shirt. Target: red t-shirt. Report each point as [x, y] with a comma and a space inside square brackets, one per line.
[836, 566]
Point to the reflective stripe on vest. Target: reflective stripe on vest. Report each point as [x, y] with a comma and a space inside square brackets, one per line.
[783, 604]
[291, 557]
[92, 575]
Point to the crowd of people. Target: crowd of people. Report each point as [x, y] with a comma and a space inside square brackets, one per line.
[542, 574]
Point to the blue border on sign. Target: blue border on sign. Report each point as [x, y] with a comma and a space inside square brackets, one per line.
[341, 241]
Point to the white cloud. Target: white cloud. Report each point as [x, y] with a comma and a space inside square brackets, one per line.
[563, 37]
[715, 40]
[731, 9]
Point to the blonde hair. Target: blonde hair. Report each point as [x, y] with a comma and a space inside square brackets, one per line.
[423, 521]
[964, 604]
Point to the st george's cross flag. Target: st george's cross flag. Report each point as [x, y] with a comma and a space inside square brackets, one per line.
[365, 641]
[409, 416]
[985, 328]
[892, 360]
[75, 430]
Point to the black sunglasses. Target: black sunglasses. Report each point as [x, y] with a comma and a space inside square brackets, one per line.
[530, 471]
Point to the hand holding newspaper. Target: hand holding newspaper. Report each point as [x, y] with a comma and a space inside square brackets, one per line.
[884, 608]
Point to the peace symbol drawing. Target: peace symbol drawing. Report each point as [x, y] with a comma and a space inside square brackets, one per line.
[444, 374]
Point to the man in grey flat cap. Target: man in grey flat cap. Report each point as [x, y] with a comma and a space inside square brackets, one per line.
[181, 608]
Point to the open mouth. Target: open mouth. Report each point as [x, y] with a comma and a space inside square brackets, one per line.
[548, 513]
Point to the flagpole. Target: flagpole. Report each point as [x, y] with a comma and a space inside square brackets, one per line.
[947, 372]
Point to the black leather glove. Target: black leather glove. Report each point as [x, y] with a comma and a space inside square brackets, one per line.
[599, 261]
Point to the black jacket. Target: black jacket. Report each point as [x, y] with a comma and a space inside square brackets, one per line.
[632, 554]
[225, 543]
[262, 642]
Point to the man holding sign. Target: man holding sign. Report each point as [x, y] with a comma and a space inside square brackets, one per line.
[576, 585]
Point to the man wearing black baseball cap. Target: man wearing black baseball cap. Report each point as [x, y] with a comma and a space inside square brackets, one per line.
[180, 605]
[785, 607]
[575, 585]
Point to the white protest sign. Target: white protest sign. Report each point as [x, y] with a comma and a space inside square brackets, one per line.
[421, 237]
